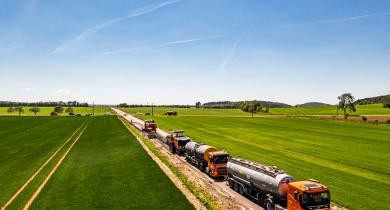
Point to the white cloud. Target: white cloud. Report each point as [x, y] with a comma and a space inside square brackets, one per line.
[164, 44]
[62, 91]
[30, 89]
[98, 27]
[338, 20]
[225, 61]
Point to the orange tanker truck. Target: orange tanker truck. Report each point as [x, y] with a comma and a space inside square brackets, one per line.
[150, 128]
[275, 188]
[176, 141]
[207, 158]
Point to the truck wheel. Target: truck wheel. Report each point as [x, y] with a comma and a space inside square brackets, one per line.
[268, 204]
[231, 184]
[236, 187]
[200, 166]
[241, 190]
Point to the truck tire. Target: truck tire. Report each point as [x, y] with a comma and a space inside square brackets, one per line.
[235, 187]
[241, 190]
[200, 166]
[268, 204]
[231, 184]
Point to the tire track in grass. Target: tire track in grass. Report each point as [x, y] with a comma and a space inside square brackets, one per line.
[29, 180]
[42, 185]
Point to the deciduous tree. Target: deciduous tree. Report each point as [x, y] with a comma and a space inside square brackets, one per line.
[35, 110]
[346, 104]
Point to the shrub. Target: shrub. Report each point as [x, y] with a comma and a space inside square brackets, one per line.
[386, 105]
[364, 118]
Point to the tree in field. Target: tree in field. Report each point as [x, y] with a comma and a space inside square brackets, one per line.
[259, 109]
[10, 109]
[19, 109]
[198, 105]
[59, 109]
[252, 109]
[346, 104]
[69, 110]
[35, 110]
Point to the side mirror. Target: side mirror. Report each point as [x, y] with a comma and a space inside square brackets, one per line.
[296, 195]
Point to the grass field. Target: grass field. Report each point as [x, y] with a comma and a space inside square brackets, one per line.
[106, 168]
[370, 109]
[189, 111]
[25, 144]
[351, 158]
[45, 111]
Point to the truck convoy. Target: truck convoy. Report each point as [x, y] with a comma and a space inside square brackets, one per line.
[274, 188]
[176, 141]
[207, 158]
[150, 128]
[268, 185]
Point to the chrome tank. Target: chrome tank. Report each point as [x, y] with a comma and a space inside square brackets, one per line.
[190, 147]
[268, 179]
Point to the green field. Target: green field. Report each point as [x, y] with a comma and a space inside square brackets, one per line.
[188, 111]
[106, 169]
[351, 158]
[370, 109]
[45, 111]
[25, 144]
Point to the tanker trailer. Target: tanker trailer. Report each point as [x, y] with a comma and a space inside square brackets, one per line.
[207, 158]
[274, 188]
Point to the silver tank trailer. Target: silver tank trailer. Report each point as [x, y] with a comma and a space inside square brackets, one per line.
[190, 147]
[265, 178]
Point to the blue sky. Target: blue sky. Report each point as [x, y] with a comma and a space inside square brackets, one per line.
[180, 52]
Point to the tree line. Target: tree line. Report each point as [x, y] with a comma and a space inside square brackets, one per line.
[56, 111]
[125, 105]
[43, 103]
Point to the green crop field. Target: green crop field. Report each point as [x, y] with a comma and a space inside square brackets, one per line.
[45, 111]
[370, 109]
[25, 144]
[188, 111]
[351, 158]
[106, 168]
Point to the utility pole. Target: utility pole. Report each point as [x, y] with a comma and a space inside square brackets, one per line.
[152, 110]
[93, 108]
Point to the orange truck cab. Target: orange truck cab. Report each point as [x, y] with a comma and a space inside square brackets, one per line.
[150, 128]
[305, 195]
[177, 141]
[150, 125]
[216, 163]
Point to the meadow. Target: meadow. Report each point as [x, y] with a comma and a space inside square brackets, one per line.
[351, 158]
[45, 111]
[25, 144]
[108, 169]
[370, 109]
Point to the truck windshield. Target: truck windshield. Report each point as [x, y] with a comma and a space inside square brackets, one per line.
[316, 199]
[180, 134]
[220, 159]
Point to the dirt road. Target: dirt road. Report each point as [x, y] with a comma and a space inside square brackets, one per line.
[219, 190]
